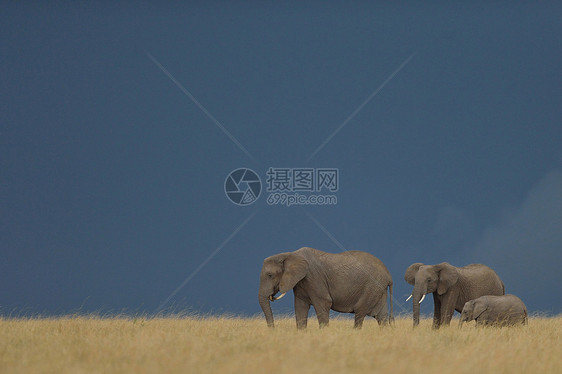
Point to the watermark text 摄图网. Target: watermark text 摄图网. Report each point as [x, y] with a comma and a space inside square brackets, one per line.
[302, 179]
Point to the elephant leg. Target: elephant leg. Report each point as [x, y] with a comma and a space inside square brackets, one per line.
[382, 318]
[436, 311]
[382, 310]
[488, 319]
[301, 312]
[448, 307]
[322, 312]
[359, 317]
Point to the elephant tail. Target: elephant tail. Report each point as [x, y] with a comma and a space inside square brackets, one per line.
[391, 315]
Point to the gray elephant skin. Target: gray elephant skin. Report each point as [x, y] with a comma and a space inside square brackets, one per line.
[451, 287]
[506, 310]
[347, 282]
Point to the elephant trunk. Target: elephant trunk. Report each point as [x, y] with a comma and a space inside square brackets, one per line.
[417, 296]
[263, 299]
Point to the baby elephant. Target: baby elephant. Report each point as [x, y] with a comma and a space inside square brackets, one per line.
[495, 310]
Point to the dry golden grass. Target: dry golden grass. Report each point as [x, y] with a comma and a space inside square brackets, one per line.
[237, 345]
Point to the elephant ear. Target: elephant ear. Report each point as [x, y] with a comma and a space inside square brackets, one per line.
[448, 276]
[295, 268]
[410, 275]
[478, 308]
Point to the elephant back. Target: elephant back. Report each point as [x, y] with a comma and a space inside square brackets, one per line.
[368, 259]
[482, 280]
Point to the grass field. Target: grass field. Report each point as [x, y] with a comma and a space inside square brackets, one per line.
[238, 345]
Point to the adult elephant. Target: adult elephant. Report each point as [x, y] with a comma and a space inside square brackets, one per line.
[451, 286]
[347, 282]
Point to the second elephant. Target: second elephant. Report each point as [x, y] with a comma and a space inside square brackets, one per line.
[451, 287]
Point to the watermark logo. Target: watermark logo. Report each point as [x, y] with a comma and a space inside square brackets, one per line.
[285, 186]
[242, 186]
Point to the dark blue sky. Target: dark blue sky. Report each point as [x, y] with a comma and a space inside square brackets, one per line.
[112, 175]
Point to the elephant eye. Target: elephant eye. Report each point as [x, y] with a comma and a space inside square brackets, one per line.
[269, 275]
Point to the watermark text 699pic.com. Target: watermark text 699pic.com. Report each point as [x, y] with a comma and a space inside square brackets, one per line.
[283, 198]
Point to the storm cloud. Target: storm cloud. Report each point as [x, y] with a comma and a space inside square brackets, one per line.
[524, 247]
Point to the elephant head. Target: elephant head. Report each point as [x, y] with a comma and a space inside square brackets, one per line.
[472, 310]
[279, 273]
[428, 279]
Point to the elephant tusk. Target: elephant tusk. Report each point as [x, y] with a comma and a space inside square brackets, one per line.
[409, 297]
[273, 298]
[423, 297]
